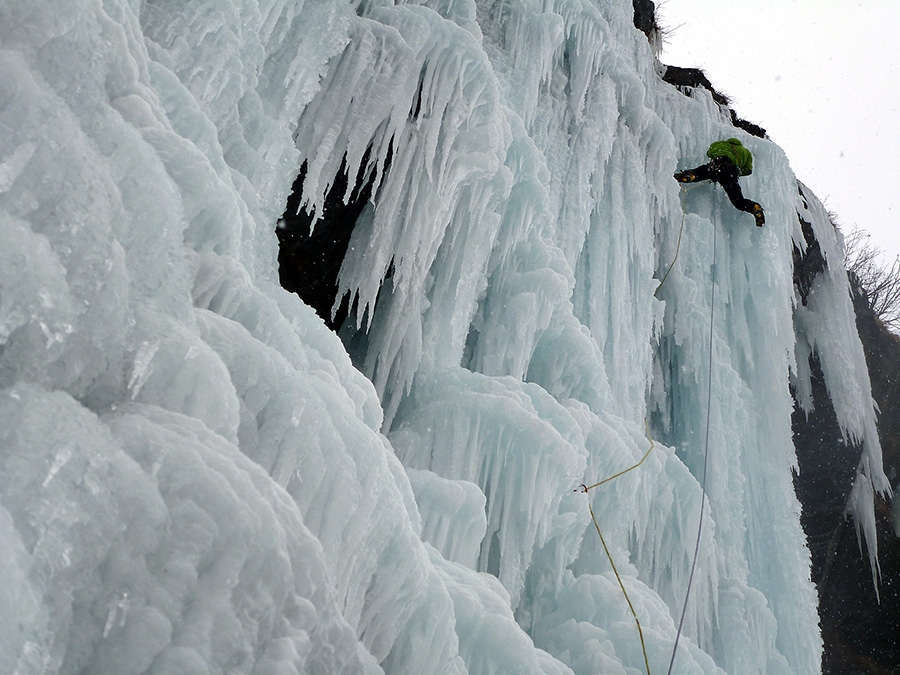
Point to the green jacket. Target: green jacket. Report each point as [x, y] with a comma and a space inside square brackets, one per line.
[733, 150]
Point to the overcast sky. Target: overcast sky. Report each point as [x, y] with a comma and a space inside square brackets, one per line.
[823, 78]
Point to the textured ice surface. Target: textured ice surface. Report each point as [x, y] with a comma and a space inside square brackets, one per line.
[195, 475]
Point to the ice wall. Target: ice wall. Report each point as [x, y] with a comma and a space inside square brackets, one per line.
[196, 476]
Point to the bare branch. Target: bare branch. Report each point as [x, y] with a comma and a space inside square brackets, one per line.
[879, 283]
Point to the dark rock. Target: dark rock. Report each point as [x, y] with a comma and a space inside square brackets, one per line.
[860, 629]
[693, 78]
[749, 127]
[645, 18]
[809, 263]
[686, 79]
[310, 255]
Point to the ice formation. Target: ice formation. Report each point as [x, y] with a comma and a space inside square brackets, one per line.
[197, 476]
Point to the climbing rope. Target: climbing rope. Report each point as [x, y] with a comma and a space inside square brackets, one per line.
[585, 488]
[637, 621]
[712, 304]
[678, 245]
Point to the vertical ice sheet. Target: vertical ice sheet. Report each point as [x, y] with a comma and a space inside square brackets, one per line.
[417, 91]
[751, 453]
[826, 326]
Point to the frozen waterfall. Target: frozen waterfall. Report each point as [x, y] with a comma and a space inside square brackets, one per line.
[197, 476]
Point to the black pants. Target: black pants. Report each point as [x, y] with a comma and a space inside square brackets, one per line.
[724, 172]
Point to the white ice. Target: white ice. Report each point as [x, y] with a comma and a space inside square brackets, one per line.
[195, 475]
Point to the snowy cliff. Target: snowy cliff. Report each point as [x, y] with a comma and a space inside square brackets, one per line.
[197, 476]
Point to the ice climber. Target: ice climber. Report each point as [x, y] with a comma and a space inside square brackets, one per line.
[729, 160]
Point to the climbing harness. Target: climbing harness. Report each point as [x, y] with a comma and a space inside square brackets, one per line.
[678, 245]
[687, 593]
[585, 488]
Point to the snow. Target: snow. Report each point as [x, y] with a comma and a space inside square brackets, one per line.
[197, 476]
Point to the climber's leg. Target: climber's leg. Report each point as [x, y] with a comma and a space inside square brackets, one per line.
[694, 175]
[741, 203]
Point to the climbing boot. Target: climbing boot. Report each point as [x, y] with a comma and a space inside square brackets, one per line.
[685, 177]
[757, 212]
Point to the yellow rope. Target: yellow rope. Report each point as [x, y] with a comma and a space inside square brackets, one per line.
[622, 586]
[584, 488]
[677, 249]
[678, 245]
